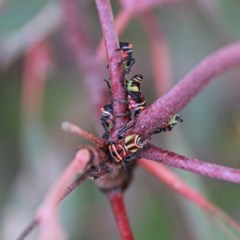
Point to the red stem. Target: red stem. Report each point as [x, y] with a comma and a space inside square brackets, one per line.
[191, 85]
[78, 39]
[72, 128]
[173, 181]
[193, 165]
[35, 73]
[160, 58]
[114, 58]
[77, 34]
[118, 206]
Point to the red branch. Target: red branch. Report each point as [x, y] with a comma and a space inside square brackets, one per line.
[116, 200]
[114, 58]
[61, 189]
[193, 165]
[78, 39]
[191, 85]
[177, 184]
[77, 34]
[160, 58]
[35, 72]
[72, 128]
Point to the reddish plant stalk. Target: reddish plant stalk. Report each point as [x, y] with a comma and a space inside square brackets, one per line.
[160, 58]
[62, 188]
[177, 184]
[77, 166]
[193, 165]
[114, 58]
[35, 71]
[72, 128]
[78, 39]
[185, 90]
[36, 65]
[77, 35]
[118, 206]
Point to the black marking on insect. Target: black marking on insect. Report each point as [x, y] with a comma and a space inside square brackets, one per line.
[136, 100]
[107, 119]
[126, 149]
[126, 56]
[168, 126]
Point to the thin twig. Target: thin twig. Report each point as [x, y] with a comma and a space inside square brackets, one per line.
[28, 229]
[193, 165]
[77, 166]
[60, 190]
[72, 128]
[47, 212]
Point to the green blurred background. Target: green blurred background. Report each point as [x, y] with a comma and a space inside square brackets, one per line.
[34, 151]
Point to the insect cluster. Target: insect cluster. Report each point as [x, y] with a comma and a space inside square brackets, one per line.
[126, 148]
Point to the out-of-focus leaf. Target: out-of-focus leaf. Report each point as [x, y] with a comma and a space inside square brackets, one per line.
[17, 13]
[19, 28]
[230, 14]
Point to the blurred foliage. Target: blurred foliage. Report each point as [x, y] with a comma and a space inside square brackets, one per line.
[210, 130]
[16, 13]
[230, 13]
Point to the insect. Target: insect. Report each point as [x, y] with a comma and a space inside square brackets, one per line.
[126, 55]
[107, 119]
[168, 126]
[133, 85]
[136, 100]
[126, 148]
[138, 105]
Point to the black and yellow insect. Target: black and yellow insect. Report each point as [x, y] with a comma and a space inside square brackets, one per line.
[133, 85]
[126, 56]
[107, 120]
[136, 100]
[168, 126]
[126, 148]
